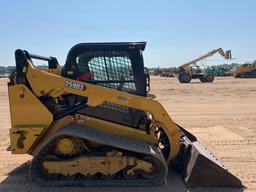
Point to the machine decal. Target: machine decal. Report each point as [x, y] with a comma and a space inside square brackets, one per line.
[74, 85]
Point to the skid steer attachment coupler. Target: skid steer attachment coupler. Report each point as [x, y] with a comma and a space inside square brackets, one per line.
[199, 167]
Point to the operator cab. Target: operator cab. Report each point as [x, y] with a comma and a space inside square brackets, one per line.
[195, 69]
[117, 66]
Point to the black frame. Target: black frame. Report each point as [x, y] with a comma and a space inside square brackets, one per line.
[21, 59]
[133, 48]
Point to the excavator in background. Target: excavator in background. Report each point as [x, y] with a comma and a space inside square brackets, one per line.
[191, 70]
[245, 71]
[93, 122]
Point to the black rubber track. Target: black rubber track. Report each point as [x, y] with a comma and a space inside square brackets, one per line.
[105, 139]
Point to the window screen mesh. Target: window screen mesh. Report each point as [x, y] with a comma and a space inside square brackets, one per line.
[116, 107]
[112, 69]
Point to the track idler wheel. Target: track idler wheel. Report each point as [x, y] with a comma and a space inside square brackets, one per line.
[69, 146]
[155, 168]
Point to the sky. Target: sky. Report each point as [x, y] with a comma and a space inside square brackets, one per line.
[175, 31]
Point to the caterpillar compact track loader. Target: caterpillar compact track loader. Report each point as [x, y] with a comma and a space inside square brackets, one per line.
[93, 123]
[191, 70]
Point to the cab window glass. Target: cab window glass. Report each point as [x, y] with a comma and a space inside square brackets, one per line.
[111, 69]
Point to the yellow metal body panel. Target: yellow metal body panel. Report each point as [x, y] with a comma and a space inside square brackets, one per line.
[22, 138]
[28, 118]
[56, 71]
[26, 109]
[98, 124]
[43, 83]
[51, 130]
[115, 129]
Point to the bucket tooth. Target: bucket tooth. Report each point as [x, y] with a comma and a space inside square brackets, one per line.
[199, 168]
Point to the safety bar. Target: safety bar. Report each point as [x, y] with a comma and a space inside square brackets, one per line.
[52, 61]
[22, 57]
[39, 57]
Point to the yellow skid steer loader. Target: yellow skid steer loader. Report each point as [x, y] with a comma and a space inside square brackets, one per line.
[93, 123]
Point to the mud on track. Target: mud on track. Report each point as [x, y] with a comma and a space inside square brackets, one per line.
[221, 114]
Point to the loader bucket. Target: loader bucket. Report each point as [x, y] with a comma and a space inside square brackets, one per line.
[199, 167]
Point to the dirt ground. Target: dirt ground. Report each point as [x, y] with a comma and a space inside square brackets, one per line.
[221, 114]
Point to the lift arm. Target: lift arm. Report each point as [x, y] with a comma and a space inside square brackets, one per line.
[225, 55]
